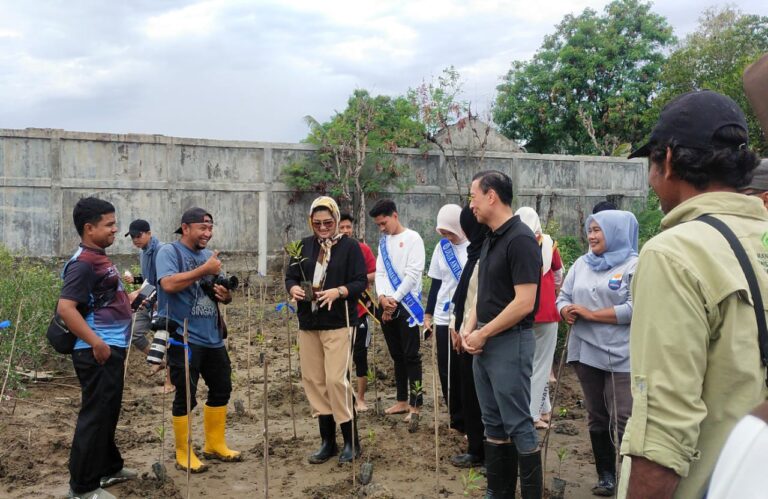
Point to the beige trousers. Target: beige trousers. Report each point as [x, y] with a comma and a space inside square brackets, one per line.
[324, 357]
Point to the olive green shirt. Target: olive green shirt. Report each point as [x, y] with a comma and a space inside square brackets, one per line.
[695, 364]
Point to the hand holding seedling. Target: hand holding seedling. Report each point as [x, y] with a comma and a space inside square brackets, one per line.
[297, 293]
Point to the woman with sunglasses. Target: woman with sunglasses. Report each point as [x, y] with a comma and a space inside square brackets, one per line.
[335, 266]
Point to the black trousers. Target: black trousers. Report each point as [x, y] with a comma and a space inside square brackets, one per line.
[210, 363]
[360, 349]
[403, 343]
[443, 338]
[473, 418]
[94, 453]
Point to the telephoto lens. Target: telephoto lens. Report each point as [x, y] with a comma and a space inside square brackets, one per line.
[157, 350]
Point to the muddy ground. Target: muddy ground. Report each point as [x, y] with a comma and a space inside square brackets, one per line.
[36, 428]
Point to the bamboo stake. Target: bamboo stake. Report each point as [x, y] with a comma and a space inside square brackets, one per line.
[266, 427]
[290, 368]
[376, 404]
[437, 407]
[248, 351]
[189, 406]
[563, 355]
[130, 342]
[13, 345]
[351, 333]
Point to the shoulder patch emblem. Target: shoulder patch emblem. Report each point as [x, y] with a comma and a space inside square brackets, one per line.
[614, 282]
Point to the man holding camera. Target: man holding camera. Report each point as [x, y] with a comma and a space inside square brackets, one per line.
[190, 289]
[142, 238]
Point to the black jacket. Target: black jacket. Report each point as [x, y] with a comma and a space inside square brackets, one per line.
[346, 268]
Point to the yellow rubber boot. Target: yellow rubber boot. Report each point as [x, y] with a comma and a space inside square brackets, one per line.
[214, 421]
[180, 428]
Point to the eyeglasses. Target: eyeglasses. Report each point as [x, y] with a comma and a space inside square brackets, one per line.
[323, 223]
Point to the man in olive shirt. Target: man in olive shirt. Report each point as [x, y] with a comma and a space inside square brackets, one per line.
[499, 333]
[694, 348]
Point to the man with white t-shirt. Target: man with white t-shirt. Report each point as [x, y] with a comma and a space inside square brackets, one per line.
[399, 267]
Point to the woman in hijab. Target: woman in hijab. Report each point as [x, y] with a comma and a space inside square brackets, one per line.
[335, 266]
[546, 320]
[445, 269]
[464, 299]
[595, 300]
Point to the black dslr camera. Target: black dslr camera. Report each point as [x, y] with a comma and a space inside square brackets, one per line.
[207, 283]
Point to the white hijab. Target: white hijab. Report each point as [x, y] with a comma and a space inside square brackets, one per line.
[531, 219]
[448, 219]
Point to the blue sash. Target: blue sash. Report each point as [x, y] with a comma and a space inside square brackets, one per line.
[453, 264]
[450, 258]
[411, 303]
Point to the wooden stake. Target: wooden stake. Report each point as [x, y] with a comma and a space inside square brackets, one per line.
[130, 342]
[266, 427]
[189, 406]
[248, 351]
[437, 407]
[351, 333]
[563, 355]
[13, 345]
[290, 368]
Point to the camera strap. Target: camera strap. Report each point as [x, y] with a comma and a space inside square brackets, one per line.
[754, 288]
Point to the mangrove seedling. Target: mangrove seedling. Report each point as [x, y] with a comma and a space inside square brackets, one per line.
[471, 481]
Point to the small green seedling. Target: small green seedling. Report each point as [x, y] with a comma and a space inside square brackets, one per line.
[370, 376]
[471, 481]
[562, 455]
[417, 389]
[563, 412]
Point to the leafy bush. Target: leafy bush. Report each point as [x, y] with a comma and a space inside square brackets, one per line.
[37, 286]
[650, 218]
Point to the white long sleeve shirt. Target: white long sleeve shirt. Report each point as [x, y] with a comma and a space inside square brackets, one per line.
[406, 252]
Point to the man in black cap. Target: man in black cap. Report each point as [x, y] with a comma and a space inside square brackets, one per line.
[141, 237]
[697, 350]
[185, 271]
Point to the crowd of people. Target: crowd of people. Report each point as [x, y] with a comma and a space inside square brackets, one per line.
[669, 343]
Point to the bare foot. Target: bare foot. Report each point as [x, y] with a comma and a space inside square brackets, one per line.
[398, 408]
[361, 406]
[545, 416]
[168, 389]
[411, 412]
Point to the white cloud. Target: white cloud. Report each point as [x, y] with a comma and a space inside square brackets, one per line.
[195, 20]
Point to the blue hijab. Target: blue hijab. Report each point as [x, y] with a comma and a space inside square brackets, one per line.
[620, 229]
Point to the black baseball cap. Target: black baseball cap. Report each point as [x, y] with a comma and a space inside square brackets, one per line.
[692, 120]
[194, 216]
[137, 227]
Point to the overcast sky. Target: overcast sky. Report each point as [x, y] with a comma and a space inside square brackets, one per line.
[251, 70]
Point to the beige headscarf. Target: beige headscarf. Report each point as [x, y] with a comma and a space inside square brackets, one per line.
[324, 257]
[531, 219]
[448, 219]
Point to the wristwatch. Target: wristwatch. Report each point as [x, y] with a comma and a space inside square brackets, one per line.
[341, 292]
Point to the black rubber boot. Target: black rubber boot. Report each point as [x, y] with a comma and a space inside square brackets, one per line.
[349, 449]
[499, 467]
[531, 475]
[328, 447]
[605, 463]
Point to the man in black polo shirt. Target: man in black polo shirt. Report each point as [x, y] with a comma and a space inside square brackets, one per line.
[499, 333]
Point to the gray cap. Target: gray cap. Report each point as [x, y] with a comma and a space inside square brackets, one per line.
[760, 178]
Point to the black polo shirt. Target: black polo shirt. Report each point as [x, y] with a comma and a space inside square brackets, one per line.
[510, 256]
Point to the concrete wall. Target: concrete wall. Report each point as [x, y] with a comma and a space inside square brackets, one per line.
[44, 172]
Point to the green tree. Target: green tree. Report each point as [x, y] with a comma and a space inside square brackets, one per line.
[714, 57]
[355, 151]
[589, 88]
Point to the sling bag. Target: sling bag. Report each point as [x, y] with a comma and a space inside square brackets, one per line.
[754, 288]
